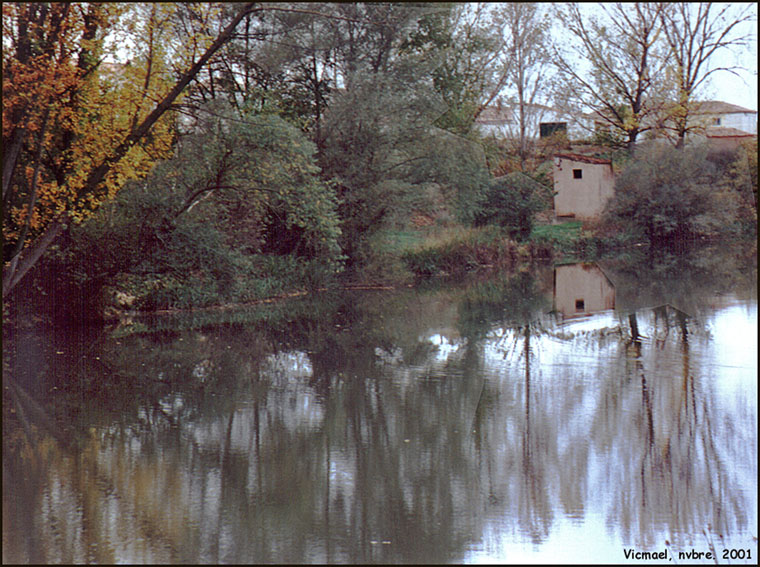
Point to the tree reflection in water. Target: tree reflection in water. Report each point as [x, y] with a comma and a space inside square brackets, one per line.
[385, 427]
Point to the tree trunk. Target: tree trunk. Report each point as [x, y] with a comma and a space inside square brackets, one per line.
[18, 267]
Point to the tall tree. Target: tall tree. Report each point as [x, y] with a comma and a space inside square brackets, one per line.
[380, 140]
[467, 45]
[695, 32]
[94, 127]
[612, 65]
[526, 28]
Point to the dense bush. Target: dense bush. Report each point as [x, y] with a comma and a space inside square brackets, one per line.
[667, 195]
[460, 252]
[742, 172]
[510, 203]
[238, 214]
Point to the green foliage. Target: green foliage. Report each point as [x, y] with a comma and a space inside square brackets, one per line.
[460, 252]
[567, 232]
[388, 159]
[511, 202]
[464, 40]
[255, 176]
[742, 175]
[238, 214]
[571, 242]
[667, 194]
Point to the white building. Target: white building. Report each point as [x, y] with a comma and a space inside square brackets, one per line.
[503, 121]
[582, 185]
[717, 113]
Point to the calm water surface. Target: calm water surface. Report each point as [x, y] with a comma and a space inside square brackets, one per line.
[563, 415]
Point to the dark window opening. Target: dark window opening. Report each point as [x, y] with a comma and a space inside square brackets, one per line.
[716, 121]
[577, 174]
[580, 305]
[547, 129]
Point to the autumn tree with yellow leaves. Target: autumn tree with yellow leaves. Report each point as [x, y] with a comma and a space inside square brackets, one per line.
[76, 124]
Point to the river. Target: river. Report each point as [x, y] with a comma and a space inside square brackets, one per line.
[580, 413]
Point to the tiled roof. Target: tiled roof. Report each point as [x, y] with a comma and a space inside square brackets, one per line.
[584, 159]
[719, 107]
[494, 114]
[726, 132]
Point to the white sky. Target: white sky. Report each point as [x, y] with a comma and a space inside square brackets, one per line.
[721, 85]
[728, 87]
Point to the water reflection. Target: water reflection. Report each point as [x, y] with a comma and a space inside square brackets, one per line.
[448, 425]
[582, 289]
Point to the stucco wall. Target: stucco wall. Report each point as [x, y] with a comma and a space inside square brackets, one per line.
[583, 198]
[745, 121]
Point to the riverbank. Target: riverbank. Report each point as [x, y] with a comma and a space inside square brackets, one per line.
[400, 258]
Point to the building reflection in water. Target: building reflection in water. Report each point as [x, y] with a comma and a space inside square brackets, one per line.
[582, 289]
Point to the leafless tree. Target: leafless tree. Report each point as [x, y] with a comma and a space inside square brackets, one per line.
[695, 32]
[526, 27]
[612, 65]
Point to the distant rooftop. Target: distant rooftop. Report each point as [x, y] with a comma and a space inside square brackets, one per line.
[500, 113]
[583, 158]
[725, 132]
[719, 107]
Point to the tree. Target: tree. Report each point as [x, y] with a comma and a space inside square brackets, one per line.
[511, 202]
[379, 142]
[471, 61]
[241, 198]
[258, 177]
[667, 195]
[276, 62]
[622, 67]
[527, 30]
[695, 32]
[93, 131]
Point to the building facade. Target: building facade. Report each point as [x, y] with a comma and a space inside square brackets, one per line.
[715, 113]
[503, 122]
[582, 185]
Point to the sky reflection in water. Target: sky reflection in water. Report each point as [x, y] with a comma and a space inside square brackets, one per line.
[502, 421]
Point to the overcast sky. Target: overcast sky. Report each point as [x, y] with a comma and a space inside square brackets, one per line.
[730, 88]
[722, 85]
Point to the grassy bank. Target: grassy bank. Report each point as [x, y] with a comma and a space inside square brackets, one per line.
[457, 250]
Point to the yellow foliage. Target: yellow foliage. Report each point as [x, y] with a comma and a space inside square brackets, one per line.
[67, 87]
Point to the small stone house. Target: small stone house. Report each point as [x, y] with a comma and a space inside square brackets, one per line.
[582, 185]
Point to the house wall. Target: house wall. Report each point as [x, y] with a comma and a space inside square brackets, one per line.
[583, 198]
[745, 121]
[577, 127]
[507, 125]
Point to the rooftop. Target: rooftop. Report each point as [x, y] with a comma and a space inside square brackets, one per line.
[719, 107]
[584, 159]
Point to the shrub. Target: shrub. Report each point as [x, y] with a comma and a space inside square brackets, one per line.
[510, 203]
[667, 195]
[460, 252]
